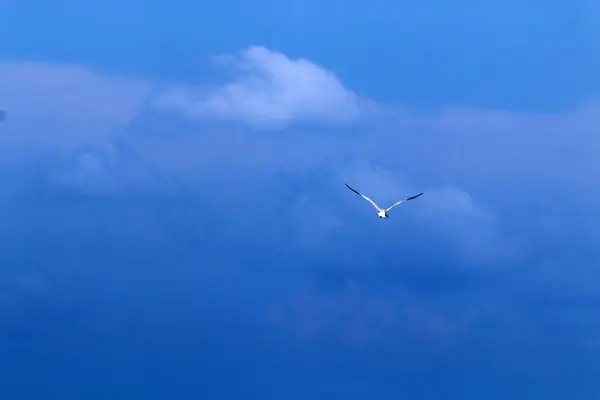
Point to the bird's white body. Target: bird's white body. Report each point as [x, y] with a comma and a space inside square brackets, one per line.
[382, 212]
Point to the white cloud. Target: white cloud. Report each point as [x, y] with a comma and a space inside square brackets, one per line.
[56, 108]
[445, 212]
[68, 93]
[496, 159]
[77, 115]
[271, 90]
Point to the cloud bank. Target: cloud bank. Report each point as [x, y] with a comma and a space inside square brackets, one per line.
[127, 201]
[269, 91]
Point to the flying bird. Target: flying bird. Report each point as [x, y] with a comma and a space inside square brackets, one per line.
[382, 212]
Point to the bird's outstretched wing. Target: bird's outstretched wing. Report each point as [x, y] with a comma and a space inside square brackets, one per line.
[364, 197]
[402, 201]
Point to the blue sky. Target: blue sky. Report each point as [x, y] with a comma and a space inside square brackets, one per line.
[175, 222]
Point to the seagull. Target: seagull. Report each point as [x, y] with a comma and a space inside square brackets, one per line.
[382, 212]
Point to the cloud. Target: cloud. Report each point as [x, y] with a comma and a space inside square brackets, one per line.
[445, 216]
[359, 318]
[114, 190]
[270, 90]
[55, 109]
[106, 138]
[80, 130]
